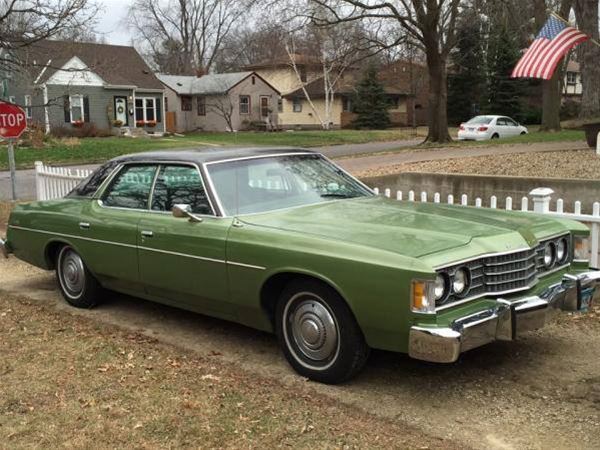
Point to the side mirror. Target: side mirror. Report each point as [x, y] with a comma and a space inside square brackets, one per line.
[185, 211]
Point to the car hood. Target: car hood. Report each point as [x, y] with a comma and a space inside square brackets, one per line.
[411, 229]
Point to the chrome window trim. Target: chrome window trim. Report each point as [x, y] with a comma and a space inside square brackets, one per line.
[137, 247]
[159, 164]
[273, 155]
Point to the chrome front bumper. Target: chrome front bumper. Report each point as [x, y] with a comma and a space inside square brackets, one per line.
[4, 248]
[506, 321]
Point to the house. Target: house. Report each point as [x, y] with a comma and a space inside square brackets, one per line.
[404, 83]
[219, 102]
[572, 87]
[64, 84]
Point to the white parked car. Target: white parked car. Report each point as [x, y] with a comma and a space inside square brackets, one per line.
[481, 128]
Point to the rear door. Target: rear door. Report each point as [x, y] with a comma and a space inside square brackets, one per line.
[502, 127]
[109, 227]
[182, 261]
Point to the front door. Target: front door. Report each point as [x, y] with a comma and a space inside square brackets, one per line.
[121, 110]
[264, 107]
[183, 261]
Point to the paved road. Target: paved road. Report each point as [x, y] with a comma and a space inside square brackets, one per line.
[345, 153]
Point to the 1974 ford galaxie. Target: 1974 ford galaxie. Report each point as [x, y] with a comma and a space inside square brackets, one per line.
[286, 241]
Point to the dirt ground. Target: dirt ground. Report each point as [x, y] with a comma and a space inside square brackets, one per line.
[555, 164]
[540, 392]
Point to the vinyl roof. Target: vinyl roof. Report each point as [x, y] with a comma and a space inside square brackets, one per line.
[207, 155]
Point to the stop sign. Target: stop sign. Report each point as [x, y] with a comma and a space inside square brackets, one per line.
[12, 120]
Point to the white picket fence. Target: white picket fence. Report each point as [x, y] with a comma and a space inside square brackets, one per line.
[56, 182]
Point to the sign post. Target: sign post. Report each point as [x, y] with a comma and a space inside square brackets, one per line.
[13, 122]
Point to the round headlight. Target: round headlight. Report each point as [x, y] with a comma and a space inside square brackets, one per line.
[549, 255]
[460, 282]
[562, 250]
[441, 286]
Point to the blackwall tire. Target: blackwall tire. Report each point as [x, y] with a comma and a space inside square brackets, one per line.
[318, 333]
[77, 285]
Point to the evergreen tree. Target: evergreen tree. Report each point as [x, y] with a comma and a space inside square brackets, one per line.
[371, 103]
[466, 78]
[504, 93]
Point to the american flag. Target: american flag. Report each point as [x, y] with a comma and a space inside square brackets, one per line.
[544, 53]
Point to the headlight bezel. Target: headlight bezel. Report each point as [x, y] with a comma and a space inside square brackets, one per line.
[564, 258]
[552, 255]
[466, 282]
[445, 279]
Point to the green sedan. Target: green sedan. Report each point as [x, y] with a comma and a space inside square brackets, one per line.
[286, 241]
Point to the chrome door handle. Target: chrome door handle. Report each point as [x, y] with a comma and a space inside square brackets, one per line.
[84, 225]
[147, 233]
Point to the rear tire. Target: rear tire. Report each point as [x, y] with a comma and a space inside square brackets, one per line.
[495, 136]
[77, 285]
[523, 133]
[318, 333]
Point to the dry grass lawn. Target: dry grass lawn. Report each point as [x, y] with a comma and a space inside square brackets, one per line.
[68, 381]
[560, 164]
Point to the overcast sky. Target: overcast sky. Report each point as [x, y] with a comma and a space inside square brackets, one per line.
[110, 22]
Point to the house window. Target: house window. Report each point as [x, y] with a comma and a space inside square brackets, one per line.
[145, 109]
[186, 103]
[166, 103]
[279, 104]
[297, 105]
[201, 106]
[76, 108]
[253, 81]
[571, 78]
[347, 104]
[302, 70]
[244, 104]
[27, 104]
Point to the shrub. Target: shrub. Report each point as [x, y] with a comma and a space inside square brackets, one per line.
[85, 130]
[35, 136]
[570, 109]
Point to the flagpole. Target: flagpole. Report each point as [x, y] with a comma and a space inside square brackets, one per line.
[552, 13]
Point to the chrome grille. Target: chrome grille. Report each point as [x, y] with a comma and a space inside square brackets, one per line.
[500, 274]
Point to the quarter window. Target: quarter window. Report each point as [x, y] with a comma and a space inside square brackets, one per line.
[244, 104]
[131, 187]
[180, 185]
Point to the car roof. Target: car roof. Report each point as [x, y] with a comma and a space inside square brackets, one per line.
[209, 155]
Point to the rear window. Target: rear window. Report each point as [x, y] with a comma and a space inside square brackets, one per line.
[89, 186]
[480, 120]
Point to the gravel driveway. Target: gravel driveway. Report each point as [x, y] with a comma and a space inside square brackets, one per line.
[540, 392]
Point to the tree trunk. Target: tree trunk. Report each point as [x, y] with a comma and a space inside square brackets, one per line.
[551, 103]
[437, 118]
[586, 12]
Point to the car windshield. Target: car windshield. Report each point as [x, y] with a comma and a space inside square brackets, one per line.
[264, 184]
[480, 120]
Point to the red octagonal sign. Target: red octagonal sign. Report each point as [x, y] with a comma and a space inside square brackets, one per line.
[12, 120]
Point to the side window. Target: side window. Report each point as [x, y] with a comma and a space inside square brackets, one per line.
[501, 122]
[180, 185]
[512, 123]
[90, 185]
[131, 187]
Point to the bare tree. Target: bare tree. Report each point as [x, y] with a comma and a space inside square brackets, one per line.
[182, 36]
[25, 22]
[431, 23]
[223, 107]
[586, 12]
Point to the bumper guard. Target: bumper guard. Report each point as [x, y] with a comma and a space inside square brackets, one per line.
[506, 321]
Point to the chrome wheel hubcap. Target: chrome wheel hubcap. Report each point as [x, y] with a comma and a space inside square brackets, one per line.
[72, 273]
[314, 330]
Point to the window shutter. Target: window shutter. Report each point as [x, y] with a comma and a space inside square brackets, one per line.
[158, 111]
[67, 108]
[86, 109]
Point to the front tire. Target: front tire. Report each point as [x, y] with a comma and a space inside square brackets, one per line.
[318, 334]
[77, 285]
